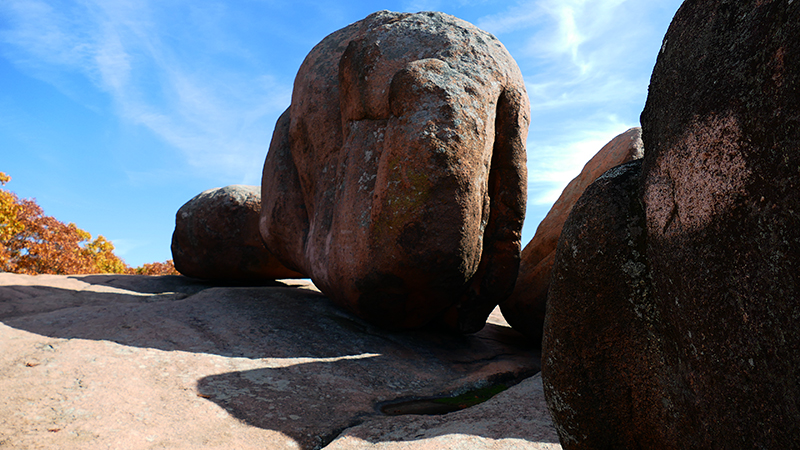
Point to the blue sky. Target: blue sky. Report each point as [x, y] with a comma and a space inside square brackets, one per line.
[114, 113]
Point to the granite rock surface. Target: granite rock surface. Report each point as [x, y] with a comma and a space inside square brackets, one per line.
[525, 308]
[110, 361]
[396, 179]
[685, 331]
[216, 237]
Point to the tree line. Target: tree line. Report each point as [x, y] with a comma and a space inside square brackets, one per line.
[34, 243]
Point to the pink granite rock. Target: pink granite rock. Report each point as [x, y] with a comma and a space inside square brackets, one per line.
[136, 362]
[594, 344]
[216, 237]
[525, 308]
[514, 419]
[672, 316]
[396, 179]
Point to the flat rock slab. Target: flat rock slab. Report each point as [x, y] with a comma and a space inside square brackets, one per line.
[104, 361]
[513, 419]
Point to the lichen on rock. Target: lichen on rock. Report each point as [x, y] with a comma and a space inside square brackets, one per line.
[396, 179]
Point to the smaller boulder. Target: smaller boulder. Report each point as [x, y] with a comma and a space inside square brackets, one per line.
[217, 238]
[524, 309]
[595, 338]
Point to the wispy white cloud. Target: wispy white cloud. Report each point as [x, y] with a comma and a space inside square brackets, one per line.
[123, 247]
[571, 51]
[517, 17]
[220, 118]
[586, 73]
[553, 164]
[609, 89]
[437, 5]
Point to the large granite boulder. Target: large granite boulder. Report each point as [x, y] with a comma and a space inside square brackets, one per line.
[216, 237]
[525, 308]
[674, 323]
[137, 362]
[396, 179]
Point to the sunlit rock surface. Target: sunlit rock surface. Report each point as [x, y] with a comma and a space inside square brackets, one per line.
[136, 362]
[396, 180]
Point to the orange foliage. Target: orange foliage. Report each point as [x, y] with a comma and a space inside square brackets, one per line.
[157, 268]
[33, 243]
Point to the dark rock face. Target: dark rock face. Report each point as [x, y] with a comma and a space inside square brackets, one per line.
[696, 342]
[525, 308]
[600, 371]
[396, 179]
[216, 237]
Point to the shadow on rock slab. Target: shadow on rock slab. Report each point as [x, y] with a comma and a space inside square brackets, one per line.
[507, 420]
[266, 398]
[279, 358]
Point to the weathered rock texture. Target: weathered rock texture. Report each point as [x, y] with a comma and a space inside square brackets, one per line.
[525, 308]
[672, 318]
[135, 362]
[512, 419]
[216, 237]
[396, 179]
[600, 370]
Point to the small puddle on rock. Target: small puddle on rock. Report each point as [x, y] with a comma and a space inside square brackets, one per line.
[432, 406]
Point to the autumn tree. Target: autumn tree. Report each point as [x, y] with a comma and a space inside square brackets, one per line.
[157, 268]
[9, 224]
[34, 243]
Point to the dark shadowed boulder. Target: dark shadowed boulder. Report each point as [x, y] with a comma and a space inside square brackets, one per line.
[705, 351]
[525, 308]
[216, 237]
[600, 372]
[396, 179]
